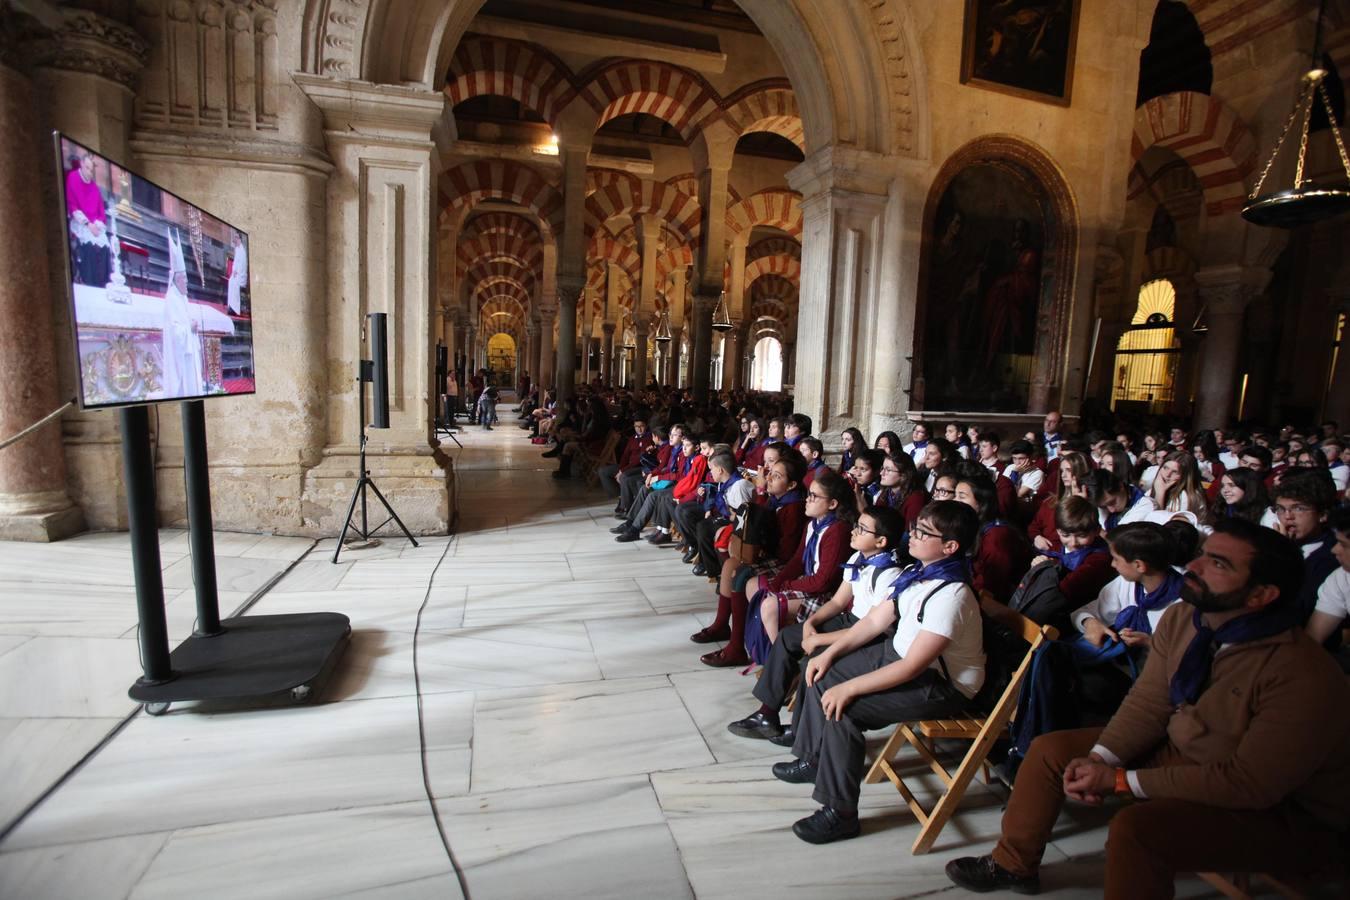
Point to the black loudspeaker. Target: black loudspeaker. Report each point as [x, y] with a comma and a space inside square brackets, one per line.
[379, 378]
[442, 365]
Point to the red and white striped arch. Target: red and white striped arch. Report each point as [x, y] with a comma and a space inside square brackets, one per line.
[598, 178]
[767, 106]
[688, 184]
[774, 207]
[526, 73]
[607, 250]
[774, 287]
[500, 247]
[1205, 133]
[678, 211]
[502, 223]
[484, 276]
[466, 185]
[676, 96]
[780, 265]
[773, 246]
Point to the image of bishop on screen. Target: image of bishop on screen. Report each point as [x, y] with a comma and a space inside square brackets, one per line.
[160, 289]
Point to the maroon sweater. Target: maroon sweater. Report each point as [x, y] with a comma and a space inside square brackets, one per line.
[834, 552]
[1002, 557]
[1082, 585]
[791, 524]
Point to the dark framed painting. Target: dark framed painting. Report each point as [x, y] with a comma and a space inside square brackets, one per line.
[1021, 47]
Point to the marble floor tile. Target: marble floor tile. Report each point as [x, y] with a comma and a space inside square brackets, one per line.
[314, 855]
[187, 769]
[276, 546]
[580, 731]
[647, 645]
[388, 574]
[59, 677]
[715, 697]
[312, 575]
[34, 753]
[9, 642]
[562, 601]
[537, 568]
[90, 870]
[379, 663]
[597, 839]
[391, 610]
[683, 594]
[232, 573]
[232, 543]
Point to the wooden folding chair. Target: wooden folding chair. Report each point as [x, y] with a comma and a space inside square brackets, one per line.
[590, 465]
[982, 733]
[1239, 886]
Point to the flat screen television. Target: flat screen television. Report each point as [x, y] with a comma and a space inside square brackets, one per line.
[160, 304]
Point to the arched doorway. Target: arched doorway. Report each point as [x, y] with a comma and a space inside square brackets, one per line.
[767, 372]
[501, 358]
[1147, 354]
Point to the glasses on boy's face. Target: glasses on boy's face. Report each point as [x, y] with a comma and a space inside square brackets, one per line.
[859, 527]
[943, 492]
[924, 534]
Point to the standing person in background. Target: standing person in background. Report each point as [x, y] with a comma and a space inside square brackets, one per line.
[86, 213]
[238, 279]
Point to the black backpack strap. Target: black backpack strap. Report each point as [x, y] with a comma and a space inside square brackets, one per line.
[923, 607]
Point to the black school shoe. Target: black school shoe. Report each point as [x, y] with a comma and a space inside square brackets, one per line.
[982, 875]
[620, 529]
[827, 825]
[758, 726]
[627, 536]
[784, 739]
[799, 771]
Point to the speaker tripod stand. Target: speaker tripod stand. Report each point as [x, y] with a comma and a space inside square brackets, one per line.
[365, 483]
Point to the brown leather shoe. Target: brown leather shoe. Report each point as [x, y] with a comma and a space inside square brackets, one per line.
[710, 635]
[725, 658]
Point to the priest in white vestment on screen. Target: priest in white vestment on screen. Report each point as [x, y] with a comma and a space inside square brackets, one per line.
[238, 273]
[182, 346]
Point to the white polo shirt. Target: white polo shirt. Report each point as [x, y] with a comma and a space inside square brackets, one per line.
[954, 613]
[1333, 597]
[1031, 479]
[1113, 598]
[872, 587]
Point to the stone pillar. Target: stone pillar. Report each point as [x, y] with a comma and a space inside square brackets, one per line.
[607, 353]
[844, 198]
[569, 292]
[731, 357]
[1225, 291]
[547, 315]
[641, 328]
[34, 505]
[700, 343]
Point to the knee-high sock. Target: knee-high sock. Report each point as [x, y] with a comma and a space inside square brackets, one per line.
[740, 606]
[723, 613]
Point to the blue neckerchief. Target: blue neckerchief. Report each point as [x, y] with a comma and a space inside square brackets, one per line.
[949, 568]
[777, 503]
[685, 463]
[1113, 519]
[720, 497]
[1072, 559]
[1015, 478]
[1192, 675]
[883, 561]
[817, 528]
[919, 445]
[887, 497]
[792, 442]
[815, 464]
[992, 523]
[1135, 618]
[872, 490]
[846, 461]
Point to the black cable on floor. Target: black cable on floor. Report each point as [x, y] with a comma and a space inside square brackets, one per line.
[422, 733]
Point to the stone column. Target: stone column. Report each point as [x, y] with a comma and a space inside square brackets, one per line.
[607, 353]
[700, 343]
[1225, 291]
[732, 348]
[34, 505]
[844, 198]
[547, 315]
[530, 356]
[569, 292]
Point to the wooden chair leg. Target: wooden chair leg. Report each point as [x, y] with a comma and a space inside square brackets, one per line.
[876, 773]
[1224, 885]
[956, 789]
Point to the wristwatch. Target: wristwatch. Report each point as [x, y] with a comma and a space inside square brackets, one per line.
[1122, 783]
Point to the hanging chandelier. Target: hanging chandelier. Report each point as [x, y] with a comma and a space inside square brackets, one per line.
[1306, 202]
[663, 328]
[721, 320]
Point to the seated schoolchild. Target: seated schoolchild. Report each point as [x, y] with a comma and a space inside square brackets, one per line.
[955, 433]
[1304, 499]
[1000, 554]
[1022, 471]
[1070, 472]
[887, 441]
[987, 449]
[750, 450]
[939, 454]
[918, 442]
[1334, 452]
[865, 475]
[784, 499]
[813, 573]
[853, 443]
[684, 505]
[731, 492]
[813, 451]
[1118, 502]
[931, 668]
[628, 468]
[1233, 744]
[899, 487]
[644, 505]
[796, 427]
[1082, 567]
[868, 576]
[1332, 612]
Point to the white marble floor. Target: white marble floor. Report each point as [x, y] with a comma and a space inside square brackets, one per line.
[574, 745]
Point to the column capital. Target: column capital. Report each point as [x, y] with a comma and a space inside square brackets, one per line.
[373, 113]
[608, 327]
[84, 41]
[1227, 290]
[843, 171]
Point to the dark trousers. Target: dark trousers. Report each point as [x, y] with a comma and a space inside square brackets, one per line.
[784, 664]
[644, 506]
[629, 485]
[836, 748]
[705, 538]
[1149, 842]
[687, 517]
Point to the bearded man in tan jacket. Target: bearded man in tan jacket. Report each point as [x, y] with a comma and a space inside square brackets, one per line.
[1232, 749]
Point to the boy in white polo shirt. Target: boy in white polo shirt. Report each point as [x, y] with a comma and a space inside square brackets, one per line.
[868, 576]
[1333, 597]
[932, 668]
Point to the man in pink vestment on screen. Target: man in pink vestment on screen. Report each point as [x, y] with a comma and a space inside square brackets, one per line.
[87, 216]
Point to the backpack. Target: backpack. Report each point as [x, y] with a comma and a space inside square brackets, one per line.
[1038, 596]
[1050, 699]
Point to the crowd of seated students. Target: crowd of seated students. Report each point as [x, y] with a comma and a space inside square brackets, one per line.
[1199, 585]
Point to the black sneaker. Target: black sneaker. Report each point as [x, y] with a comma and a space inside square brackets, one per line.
[799, 771]
[758, 726]
[982, 875]
[827, 825]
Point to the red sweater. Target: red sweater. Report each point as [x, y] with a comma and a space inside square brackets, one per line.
[1043, 525]
[1082, 585]
[1002, 557]
[811, 475]
[1007, 497]
[687, 487]
[834, 552]
[632, 451]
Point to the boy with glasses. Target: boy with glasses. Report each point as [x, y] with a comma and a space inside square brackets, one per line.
[1304, 499]
[931, 668]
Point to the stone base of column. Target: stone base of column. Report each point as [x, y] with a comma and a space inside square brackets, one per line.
[40, 518]
[421, 488]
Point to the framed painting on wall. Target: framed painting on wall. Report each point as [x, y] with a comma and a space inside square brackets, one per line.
[1021, 47]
